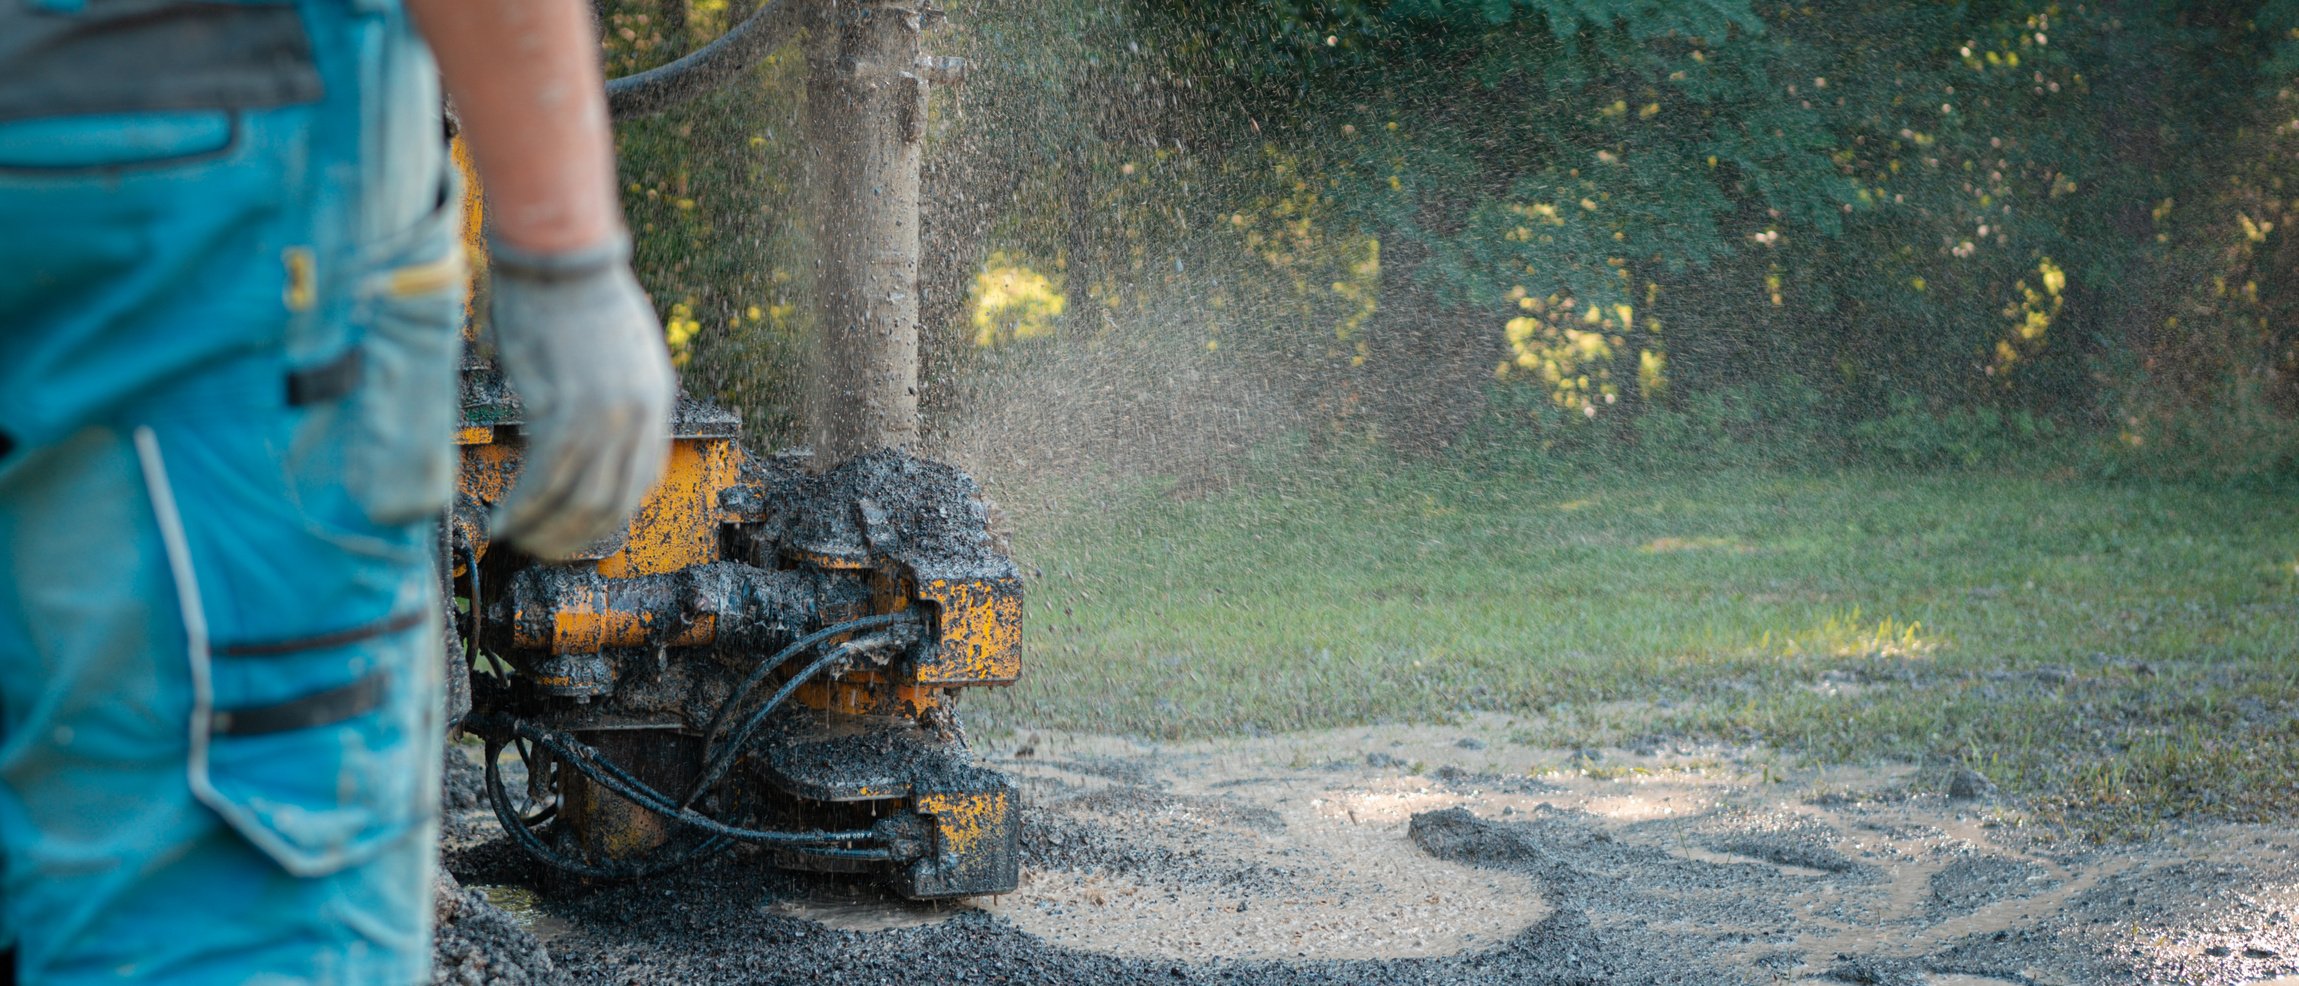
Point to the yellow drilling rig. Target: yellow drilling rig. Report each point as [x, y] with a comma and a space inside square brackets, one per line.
[770, 654]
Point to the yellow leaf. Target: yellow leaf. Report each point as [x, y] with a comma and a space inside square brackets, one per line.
[2055, 279]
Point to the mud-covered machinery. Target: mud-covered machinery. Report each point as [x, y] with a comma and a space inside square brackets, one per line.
[771, 652]
[767, 655]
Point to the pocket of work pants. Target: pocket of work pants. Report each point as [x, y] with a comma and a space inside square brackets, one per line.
[399, 435]
[313, 640]
[315, 750]
[136, 249]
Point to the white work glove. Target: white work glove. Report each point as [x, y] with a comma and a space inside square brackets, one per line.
[585, 353]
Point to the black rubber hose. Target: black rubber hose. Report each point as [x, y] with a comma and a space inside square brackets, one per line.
[471, 651]
[866, 855]
[534, 846]
[750, 682]
[611, 776]
[535, 765]
[707, 67]
[716, 764]
[605, 773]
[716, 767]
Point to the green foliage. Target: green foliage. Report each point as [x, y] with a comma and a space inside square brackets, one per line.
[1914, 437]
[2239, 439]
[1771, 423]
[1557, 146]
[1763, 424]
[1870, 196]
[2041, 224]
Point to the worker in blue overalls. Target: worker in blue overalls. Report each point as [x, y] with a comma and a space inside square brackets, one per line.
[231, 281]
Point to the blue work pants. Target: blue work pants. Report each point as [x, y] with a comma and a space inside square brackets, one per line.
[228, 344]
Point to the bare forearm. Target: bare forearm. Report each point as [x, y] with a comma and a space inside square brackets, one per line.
[525, 77]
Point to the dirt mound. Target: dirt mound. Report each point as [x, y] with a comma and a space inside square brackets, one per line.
[1792, 851]
[462, 784]
[476, 943]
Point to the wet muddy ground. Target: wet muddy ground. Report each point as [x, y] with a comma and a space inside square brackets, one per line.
[1447, 855]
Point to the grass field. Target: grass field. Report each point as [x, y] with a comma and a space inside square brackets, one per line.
[2120, 654]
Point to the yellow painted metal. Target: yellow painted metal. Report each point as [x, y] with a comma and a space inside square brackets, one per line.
[677, 526]
[488, 469]
[964, 821]
[605, 825]
[590, 623]
[916, 700]
[868, 693]
[474, 241]
[547, 680]
[830, 562]
[981, 627]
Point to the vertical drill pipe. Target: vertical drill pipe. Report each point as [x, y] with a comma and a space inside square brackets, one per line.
[865, 124]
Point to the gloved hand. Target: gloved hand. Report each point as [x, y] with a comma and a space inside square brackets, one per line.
[584, 350]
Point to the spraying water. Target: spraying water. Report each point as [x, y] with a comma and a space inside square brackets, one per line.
[1869, 425]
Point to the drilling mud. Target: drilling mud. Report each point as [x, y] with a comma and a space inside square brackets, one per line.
[1449, 855]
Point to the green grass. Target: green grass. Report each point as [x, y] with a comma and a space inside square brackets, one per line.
[2118, 653]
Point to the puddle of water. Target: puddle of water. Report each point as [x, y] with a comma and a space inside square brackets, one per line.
[524, 907]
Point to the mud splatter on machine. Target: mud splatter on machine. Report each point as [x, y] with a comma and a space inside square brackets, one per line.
[770, 653]
[767, 655]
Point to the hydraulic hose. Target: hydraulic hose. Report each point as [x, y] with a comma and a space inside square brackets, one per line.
[716, 766]
[607, 774]
[525, 837]
[500, 729]
[750, 682]
[707, 67]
